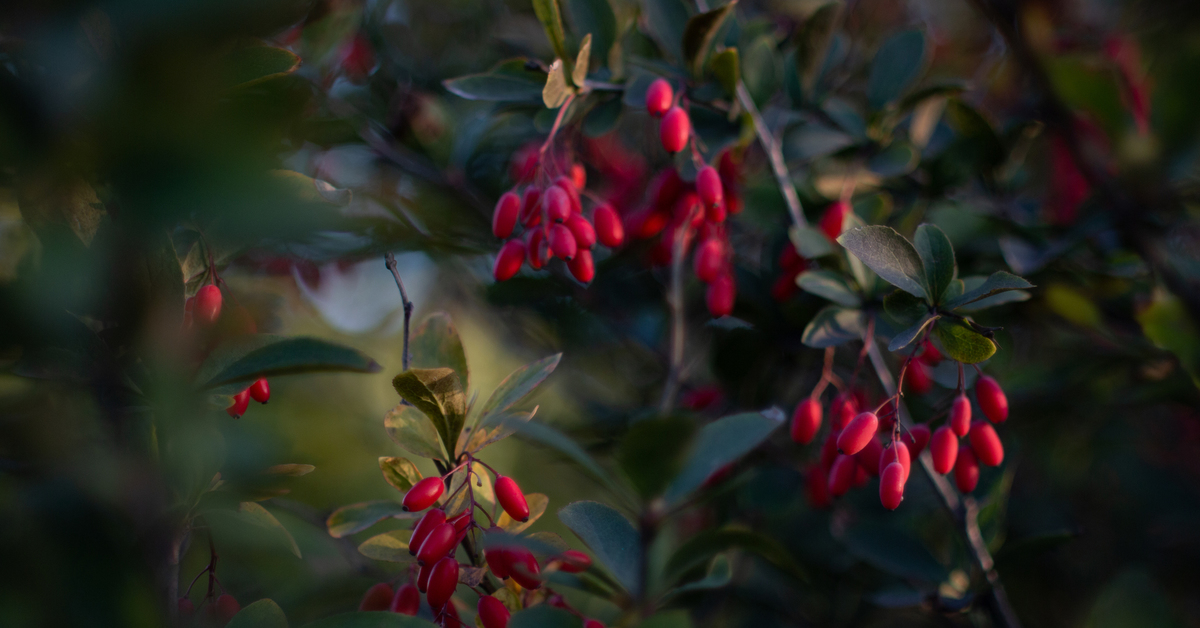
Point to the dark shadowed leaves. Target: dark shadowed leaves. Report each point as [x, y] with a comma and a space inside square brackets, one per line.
[610, 536]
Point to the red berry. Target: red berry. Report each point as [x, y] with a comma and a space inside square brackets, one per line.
[358, 59]
[991, 399]
[834, 219]
[524, 569]
[858, 433]
[829, 452]
[535, 245]
[891, 485]
[438, 544]
[675, 130]
[944, 449]
[966, 470]
[689, 209]
[568, 185]
[917, 437]
[208, 305]
[377, 598]
[784, 288]
[844, 408]
[449, 617]
[715, 213]
[609, 230]
[260, 390]
[790, 260]
[860, 475]
[917, 379]
[710, 260]
[646, 223]
[423, 577]
[895, 452]
[531, 207]
[574, 561]
[708, 184]
[461, 521]
[186, 608]
[432, 519]
[227, 607]
[930, 354]
[960, 415]
[583, 267]
[868, 456]
[511, 499]
[493, 613]
[720, 296]
[593, 623]
[556, 203]
[817, 486]
[443, 579]
[659, 97]
[525, 162]
[498, 561]
[509, 260]
[585, 234]
[806, 420]
[407, 601]
[423, 494]
[562, 242]
[241, 401]
[504, 219]
[986, 444]
[578, 176]
[842, 475]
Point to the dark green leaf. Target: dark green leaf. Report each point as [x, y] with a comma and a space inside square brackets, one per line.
[828, 284]
[719, 575]
[904, 307]
[264, 613]
[290, 356]
[550, 437]
[355, 518]
[253, 64]
[255, 514]
[519, 383]
[894, 551]
[651, 452]
[897, 160]
[389, 546]
[719, 443]
[985, 148]
[437, 393]
[960, 342]
[550, 15]
[435, 344]
[998, 282]
[401, 473]
[544, 616]
[810, 243]
[898, 62]
[666, 20]
[699, 33]
[811, 140]
[726, 67]
[910, 335]
[759, 68]
[955, 290]
[508, 83]
[832, 326]
[603, 118]
[889, 255]
[610, 536]
[812, 43]
[709, 542]
[937, 256]
[594, 17]
[413, 431]
[373, 619]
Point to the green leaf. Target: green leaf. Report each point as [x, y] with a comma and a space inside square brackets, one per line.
[545, 616]
[904, 308]
[937, 256]
[372, 619]
[719, 575]
[998, 282]
[956, 289]
[986, 150]
[290, 469]
[812, 139]
[1166, 323]
[1073, 305]
[603, 117]
[264, 613]
[550, 15]
[812, 43]
[254, 64]
[437, 393]
[401, 473]
[910, 335]
[389, 546]
[898, 62]
[892, 550]
[545, 435]
[666, 20]
[709, 542]
[355, 518]
[518, 384]
[889, 255]
[613, 540]
[509, 81]
[413, 431]
[832, 326]
[726, 67]
[828, 284]
[759, 67]
[897, 160]
[582, 61]
[699, 33]
[537, 507]
[595, 18]
[255, 514]
[677, 618]
[436, 344]
[651, 452]
[810, 243]
[960, 342]
[719, 443]
[556, 91]
[290, 356]
[496, 426]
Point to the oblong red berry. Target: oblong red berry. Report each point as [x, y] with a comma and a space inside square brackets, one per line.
[430, 520]
[829, 451]
[536, 249]
[720, 296]
[806, 420]
[207, 306]
[423, 494]
[842, 476]
[960, 415]
[578, 176]
[868, 456]
[377, 598]
[966, 470]
[260, 390]
[585, 234]
[659, 97]
[943, 446]
[567, 184]
[817, 487]
[442, 582]
[675, 130]
[583, 266]
[646, 223]
[986, 444]
[438, 544]
[593, 623]
[895, 452]
[423, 577]
[493, 613]
[834, 219]
[844, 408]
[710, 260]
[688, 209]
[498, 561]
[509, 260]
[461, 521]
[891, 485]
[531, 207]
[511, 499]
[715, 213]
[241, 401]
[917, 437]
[524, 569]
[227, 607]
[562, 242]
[930, 354]
[574, 561]
[858, 432]
[556, 203]
[917, 378]
[504, 217]
[407, 601]
[708, 185]
[991, 399]
[609, 230]
[186, 607]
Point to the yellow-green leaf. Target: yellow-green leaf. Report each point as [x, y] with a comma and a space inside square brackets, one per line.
[962, 343]
[401, 473]
[390, 546]
[537, 507]
[579, 73]
[555, 93]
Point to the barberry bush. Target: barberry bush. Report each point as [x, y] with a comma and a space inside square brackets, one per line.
[591, 313]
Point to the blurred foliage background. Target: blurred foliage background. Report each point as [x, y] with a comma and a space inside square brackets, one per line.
[131, 130]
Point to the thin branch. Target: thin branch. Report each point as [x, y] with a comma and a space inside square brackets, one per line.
[774, 151]
[964, 511]
[683, 236]
[390, 262]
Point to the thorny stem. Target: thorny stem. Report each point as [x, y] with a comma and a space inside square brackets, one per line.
[683, 236]
[964, 511]
[390, 262]
[774, 151]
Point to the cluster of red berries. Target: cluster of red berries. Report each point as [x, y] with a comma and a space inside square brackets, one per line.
[216, 612]
[983, 445]
[204, 309]
[791, 264]
[553, 222]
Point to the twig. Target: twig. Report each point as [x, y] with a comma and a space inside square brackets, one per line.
[964, 511]
[774, 154]
[390, 262]
[683, 236]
